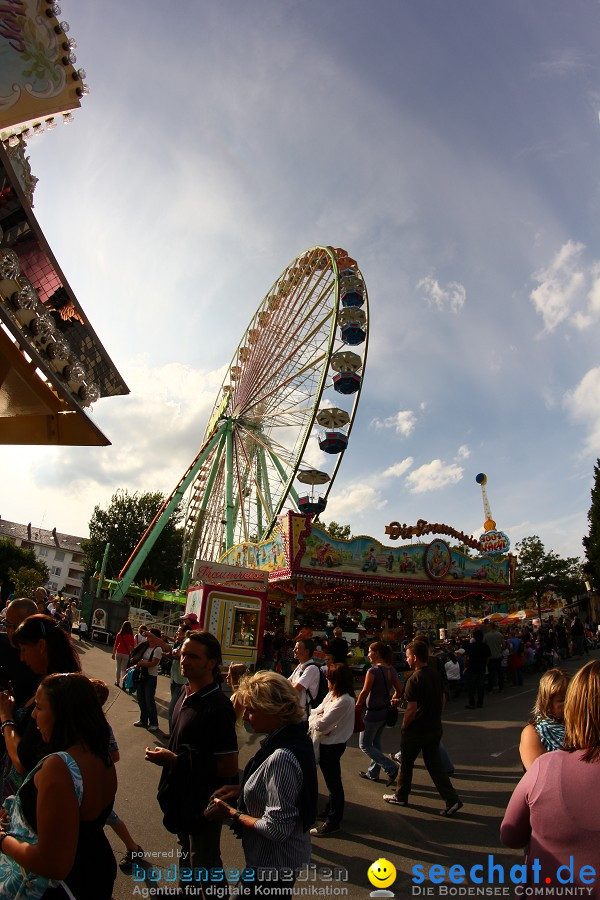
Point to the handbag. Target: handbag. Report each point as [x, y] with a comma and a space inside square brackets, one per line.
[16, 882]
[359, 722]
[391, 717]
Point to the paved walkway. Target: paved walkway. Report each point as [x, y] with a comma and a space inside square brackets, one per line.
[483, 745]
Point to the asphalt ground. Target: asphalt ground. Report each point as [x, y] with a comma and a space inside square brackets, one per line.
[482, 743]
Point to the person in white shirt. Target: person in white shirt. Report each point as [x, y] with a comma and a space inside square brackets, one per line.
[147, 685]
[305, 677]
[331, 725]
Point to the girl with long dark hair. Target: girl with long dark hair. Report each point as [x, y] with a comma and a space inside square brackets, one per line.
[74, 785]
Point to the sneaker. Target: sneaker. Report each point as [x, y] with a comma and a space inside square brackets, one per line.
[139, 725]
[367, 776]
[126, 863]
[397, 757]
[153, 728]
[325, 828]
[452, 809]
[391, 798]
[391, 779]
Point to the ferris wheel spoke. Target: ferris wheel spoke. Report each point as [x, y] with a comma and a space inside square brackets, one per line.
[288, 382]
[288, 361]
[281, 321]
[291, 336]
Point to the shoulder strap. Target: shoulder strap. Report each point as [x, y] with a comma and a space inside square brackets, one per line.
[387, 687]
[75, 774]
[305, 667]
[71, 765]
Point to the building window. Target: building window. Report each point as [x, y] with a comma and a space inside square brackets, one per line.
[55, 570]
[27, 545]
[74, 573]
[42, 551]
[53, 585]
[59, 556]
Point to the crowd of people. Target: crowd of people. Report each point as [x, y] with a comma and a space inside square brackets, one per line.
[59, 752]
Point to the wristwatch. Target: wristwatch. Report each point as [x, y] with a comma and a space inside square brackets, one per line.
[235, 818]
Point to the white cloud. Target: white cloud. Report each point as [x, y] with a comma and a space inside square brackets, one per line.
[398, 468]
[463, 452]
[156, 432]
[583, 404]
[348, 506]
[559, 285]
[433, 476]
[403, 422]
[451, 297]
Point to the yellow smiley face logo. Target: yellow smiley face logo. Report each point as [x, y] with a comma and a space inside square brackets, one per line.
[382, 873]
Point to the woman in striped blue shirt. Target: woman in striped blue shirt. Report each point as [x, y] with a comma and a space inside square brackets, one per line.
[277, 799]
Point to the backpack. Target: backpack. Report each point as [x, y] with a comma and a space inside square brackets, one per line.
[322, 690]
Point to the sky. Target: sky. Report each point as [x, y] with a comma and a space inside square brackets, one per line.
[452, 148]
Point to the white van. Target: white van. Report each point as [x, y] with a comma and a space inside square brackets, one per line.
[141, 616]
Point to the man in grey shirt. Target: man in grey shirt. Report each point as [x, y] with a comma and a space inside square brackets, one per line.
[495, 641]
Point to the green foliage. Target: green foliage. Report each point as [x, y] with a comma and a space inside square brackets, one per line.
[539, 571]
[591, 543]
[25, 581]
[341, 532]
[122, 524]
[13, 559]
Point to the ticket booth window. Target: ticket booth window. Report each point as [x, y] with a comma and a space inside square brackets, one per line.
[245, 628]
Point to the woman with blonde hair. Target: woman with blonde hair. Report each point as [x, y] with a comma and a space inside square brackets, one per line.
[552, 811]
[545, 730]
[276, 801]
[235, 672]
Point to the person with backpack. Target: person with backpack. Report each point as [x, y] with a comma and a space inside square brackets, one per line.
[148, 659]
[306, 677]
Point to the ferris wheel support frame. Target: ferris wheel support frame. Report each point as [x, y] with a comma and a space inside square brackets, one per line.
[150, 536]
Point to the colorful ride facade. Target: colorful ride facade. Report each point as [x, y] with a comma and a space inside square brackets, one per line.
[303, 560]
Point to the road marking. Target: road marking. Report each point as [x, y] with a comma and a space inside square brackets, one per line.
[500, 752]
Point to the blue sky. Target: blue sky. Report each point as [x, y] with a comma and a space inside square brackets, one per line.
[451, 147]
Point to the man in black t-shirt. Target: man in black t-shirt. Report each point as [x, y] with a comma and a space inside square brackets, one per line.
[422, 731]
[202, 755]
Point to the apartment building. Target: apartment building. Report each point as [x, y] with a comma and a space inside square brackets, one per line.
[62, 554]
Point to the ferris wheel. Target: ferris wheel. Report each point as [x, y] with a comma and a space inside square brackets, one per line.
[292, 361]
[288, 401]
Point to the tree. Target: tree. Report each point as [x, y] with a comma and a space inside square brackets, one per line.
[342, 532]
[591, 543]
[122, 524]
[13, 560]
[538, 570]
[25, 581]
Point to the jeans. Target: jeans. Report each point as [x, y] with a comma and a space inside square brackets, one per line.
[330, 756]
[122, 660]
[475, 687]
[145, 697]
[370, 743]
[429, 744]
